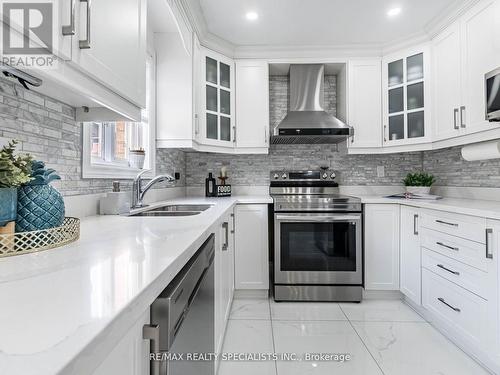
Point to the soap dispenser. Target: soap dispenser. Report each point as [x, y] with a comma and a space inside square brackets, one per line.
[210, 186]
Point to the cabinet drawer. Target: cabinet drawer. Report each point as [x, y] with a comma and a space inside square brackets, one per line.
[465, 276]
[468, 252]
[460, 310]
[464, 226]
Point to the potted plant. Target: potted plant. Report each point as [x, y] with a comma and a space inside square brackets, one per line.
[419, 182]
[14, 171]
[136, 158]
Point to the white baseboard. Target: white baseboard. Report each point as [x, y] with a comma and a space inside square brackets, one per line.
[382, 294]
[251, 294]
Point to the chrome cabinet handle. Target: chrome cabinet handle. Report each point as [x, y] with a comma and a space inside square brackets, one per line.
[85, 43]
[234, 134]
[447, 269]
[234, 223]
[70, 29]
[462, 116]
[225, 246]
[265, 136]
[440, 299]
[447, 246]
[489, 232]
[151, 332]
[447, 223]
[196, 124]
[415, 228]
[455, 119]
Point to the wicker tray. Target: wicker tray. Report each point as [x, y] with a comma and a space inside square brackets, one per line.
[39, 240]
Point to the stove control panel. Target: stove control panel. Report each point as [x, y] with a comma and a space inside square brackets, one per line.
[314, 175]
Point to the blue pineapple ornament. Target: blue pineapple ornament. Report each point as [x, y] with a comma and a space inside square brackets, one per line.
[39, 205]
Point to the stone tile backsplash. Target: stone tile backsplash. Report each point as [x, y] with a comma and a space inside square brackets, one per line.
[47, 129]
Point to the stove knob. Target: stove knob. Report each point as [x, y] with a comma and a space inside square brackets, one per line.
[276, 176]
[325, 176]
[283, 176]
[333, 175]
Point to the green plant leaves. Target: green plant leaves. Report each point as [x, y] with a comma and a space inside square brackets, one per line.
[419, 179]
[14, 170]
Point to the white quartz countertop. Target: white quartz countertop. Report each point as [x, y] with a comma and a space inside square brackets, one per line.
[474, 207]
[63, 310]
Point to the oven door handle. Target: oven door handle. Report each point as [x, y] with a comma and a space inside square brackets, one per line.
[318, 218]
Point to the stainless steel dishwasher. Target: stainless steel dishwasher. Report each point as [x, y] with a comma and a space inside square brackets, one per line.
[182, 318]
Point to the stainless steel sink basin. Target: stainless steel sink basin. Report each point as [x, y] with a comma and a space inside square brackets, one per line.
[167, 213]
[175, 210]
[182, 207]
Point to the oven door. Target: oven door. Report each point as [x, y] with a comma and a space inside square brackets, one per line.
[318, 248]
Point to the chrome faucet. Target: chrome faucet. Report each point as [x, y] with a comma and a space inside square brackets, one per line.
[138, 192]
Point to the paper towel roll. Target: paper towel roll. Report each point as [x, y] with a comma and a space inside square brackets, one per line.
[482, 151]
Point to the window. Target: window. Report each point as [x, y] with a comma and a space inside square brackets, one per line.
[107, 145]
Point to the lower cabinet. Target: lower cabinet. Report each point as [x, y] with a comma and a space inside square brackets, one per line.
[251, 254]
[224, 276]
[381, 246]
[409, 265]
[131, 355]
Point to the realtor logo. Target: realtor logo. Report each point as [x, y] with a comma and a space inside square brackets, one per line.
[28, 33]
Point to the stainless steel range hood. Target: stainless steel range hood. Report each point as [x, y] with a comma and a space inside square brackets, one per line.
[307, 121]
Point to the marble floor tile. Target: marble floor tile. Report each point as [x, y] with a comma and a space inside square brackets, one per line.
[380, 311]
[250, 309]
[322, 337]
[306, 311]
[248, 336]
[414, 349]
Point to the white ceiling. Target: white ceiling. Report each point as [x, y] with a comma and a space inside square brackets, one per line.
[321, 22]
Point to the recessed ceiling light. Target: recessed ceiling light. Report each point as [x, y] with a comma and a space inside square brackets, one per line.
[251, 16]
[393, 11]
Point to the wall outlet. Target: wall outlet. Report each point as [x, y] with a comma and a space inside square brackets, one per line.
[380, 171]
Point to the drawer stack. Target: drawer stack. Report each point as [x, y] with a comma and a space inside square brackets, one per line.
[459, 279]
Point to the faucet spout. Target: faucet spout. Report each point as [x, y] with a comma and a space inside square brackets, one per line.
[138, 192]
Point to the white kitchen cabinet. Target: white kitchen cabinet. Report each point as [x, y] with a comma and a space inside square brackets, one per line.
[365, 103]
[381, 245]
[224, 277]
[110, 45]
[174, 91]
[217, 125]
[131, 355]
[251, 255]
[410, 257]
[480, 28]
[447, 87]
[252, 106]
[406, 96]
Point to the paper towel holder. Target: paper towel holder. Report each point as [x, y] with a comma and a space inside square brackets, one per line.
[482, 151]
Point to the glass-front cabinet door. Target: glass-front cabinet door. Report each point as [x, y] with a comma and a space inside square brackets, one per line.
[217, 115]
[406, 97]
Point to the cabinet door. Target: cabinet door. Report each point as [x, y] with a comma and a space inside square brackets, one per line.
[493, 293]
[252, 105]
[410, 260]
[406, 96]
[365, 103]
[219, 294]
[217, 120]
[251, 247]
[111, 46]
[131, 355]
[480, 54]
[381, 247]
[447, 83]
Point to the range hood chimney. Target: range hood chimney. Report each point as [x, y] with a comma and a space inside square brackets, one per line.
[307, 121]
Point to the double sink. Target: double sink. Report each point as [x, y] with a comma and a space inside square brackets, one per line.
[175, 210]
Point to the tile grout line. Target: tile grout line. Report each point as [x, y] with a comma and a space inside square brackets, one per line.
[272, 334]
[364, 344]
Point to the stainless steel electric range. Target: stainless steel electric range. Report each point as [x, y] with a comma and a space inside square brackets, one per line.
[317, 238]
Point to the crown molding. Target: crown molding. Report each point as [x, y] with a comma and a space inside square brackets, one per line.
[209, 40]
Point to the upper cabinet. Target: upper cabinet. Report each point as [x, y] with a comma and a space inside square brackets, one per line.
[463, 54]
[365, 103]
[216, 117]
[252, 106]
[110, 45]
[406, 97]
